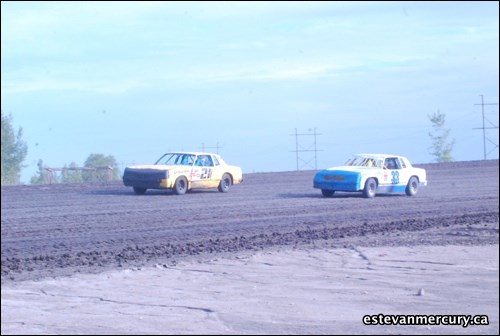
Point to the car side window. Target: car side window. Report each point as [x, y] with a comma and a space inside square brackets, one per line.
[204, 161]
[208, 161]
[216, 162]
[392, 163]
[187, 160]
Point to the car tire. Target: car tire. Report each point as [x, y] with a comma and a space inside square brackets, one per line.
[225, 183]
[412, 187]
[180, 186]
[139, 191]
[327, 193]
[370, 188]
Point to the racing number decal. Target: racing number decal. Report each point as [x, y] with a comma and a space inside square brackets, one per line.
[206, 173]
[395, 177]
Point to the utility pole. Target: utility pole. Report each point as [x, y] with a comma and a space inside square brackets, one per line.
[300, 149]
[485, 128]
[217, 147]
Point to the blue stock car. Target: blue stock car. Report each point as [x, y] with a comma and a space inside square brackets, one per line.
[372, 174]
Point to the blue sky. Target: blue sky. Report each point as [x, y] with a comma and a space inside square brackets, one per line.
[137, 79]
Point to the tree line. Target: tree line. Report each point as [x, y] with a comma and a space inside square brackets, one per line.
[96, 168]
[15, 150]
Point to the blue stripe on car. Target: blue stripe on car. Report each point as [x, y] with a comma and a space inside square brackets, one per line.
[391, 188]
[337, 180]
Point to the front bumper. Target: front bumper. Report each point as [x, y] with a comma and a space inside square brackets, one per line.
[145, 178]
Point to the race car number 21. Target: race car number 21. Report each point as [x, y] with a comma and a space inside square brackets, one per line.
[206, 173]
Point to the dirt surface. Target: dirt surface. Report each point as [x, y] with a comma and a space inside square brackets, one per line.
[55, 230]
[327, 291]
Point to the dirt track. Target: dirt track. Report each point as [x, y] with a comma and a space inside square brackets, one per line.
[62, 229]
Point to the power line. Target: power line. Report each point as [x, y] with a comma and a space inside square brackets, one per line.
[301, 149]
[485, 128]
[203, 148]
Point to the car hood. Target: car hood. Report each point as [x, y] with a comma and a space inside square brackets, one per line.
[156, 167]
[351, 168]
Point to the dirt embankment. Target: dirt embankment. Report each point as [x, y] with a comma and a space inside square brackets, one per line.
[62, 229]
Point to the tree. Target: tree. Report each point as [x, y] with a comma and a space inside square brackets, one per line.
[71, 174]
[42, 176]
[441, 147]
[102, 174]
[14, 151]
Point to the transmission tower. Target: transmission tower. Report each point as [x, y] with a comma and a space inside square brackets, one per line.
[310, 148]
[484, 128]
[203, 148]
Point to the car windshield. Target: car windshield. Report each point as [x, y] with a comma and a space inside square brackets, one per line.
[176, 159]
[363, 161]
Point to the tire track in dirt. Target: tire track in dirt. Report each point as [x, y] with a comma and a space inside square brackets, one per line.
[61, 229]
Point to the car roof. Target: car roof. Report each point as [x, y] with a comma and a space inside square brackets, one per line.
[381, 156]
[192, 153]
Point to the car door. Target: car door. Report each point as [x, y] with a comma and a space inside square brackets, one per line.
[394, 176]
[202, 174]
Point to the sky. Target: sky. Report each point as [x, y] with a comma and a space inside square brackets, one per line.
[137, 79]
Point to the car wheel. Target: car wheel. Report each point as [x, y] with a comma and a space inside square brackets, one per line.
[327, 193]
[139, 191]
[180, 186]
[412, 187]
[225, 183]
[370, 188]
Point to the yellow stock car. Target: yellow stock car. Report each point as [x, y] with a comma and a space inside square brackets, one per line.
[183, 171]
